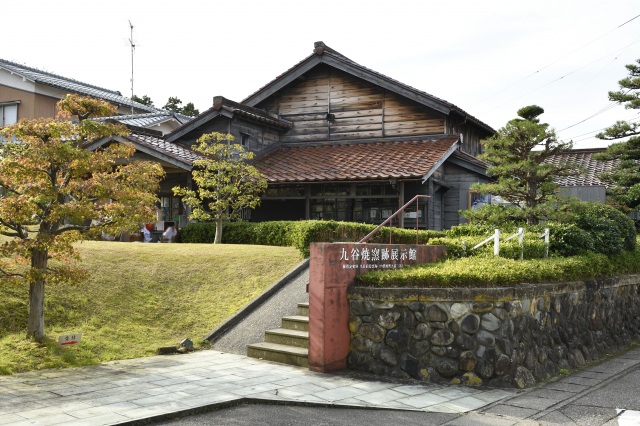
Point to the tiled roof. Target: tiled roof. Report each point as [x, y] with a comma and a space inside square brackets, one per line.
[322, 49]
[147, 120]
[584, 158]
[68, 84]
[374, 160]
[223, 106]
[172, 150]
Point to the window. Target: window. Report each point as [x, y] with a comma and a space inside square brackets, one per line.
[244, 139]
[8, 113]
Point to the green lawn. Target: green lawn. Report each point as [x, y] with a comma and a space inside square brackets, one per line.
[139, 297]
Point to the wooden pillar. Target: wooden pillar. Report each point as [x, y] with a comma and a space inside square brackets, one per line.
[401, 202]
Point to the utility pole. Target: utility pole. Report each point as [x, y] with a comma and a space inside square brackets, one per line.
[133, 48]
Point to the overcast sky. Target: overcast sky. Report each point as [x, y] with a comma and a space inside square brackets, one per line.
[487, 57]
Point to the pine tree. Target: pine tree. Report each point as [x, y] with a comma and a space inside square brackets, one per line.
[624, 178]
[517, 155]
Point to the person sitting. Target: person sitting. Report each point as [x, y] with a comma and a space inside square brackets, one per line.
[146, 235]
[169, 234]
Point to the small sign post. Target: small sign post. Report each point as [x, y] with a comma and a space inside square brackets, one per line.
[69, 339]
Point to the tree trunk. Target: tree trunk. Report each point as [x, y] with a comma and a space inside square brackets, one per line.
[218, 237]
[35, 326]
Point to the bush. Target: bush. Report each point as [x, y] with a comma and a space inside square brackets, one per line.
[612, 230]
[496, 215]
[300, 234]
[498, 271]
[569, 240]
[462, 246]
[197, 233]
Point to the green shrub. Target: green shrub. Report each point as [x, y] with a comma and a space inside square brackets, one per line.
[470, 229]
[495, 215]
[198, 233]
[569, 240]
[462, 246]
[612, 230]
[498, 271]
[300, 234]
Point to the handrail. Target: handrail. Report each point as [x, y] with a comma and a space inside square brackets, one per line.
[390, 218]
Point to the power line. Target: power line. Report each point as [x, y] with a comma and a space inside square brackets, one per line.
[607, 108]
[595, 131]
[637, 16]
[562, 77]
[555, 62]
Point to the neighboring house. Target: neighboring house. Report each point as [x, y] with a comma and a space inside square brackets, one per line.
[339, 141]
[28, 93]
[585, 186]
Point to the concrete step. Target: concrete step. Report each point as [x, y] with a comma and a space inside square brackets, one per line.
[282, 336]
[296, 322]
[303, 309]
[279, 353]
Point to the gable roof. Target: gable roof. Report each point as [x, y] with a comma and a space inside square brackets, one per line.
[583, 158]
[225, 107]
[49, 79]
[149, 143]
[323, 54]
[371, 160]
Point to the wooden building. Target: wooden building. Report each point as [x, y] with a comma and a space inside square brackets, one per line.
[339, 141]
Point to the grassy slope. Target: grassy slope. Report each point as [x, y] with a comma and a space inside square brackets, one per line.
[139, 297]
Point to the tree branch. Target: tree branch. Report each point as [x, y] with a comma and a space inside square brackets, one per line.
[80, 228]
[10, 274]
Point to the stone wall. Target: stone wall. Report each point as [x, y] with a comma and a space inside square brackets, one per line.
[513, 336]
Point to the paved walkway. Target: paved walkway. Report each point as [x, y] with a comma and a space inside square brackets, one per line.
[150, 388]
[159, 387]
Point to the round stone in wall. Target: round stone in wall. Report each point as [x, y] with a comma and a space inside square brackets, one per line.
[442, 338]
[458, 310]
[470, 324]
[372, 331]
[446, 367]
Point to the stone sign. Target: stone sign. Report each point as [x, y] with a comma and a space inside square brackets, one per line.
[333, 267]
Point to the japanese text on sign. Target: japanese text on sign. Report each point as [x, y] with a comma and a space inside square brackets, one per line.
[376, 258]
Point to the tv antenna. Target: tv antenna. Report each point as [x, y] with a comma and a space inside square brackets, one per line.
[133, 48]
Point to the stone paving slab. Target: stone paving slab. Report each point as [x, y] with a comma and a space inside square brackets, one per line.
[130, 390]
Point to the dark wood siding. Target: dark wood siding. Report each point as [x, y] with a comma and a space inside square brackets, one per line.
[358, 110]
[259, 137]
[456, 198]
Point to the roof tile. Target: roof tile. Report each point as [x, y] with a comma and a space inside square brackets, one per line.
[72, 85]
[170, 149]
[399, 159]
[584, 158]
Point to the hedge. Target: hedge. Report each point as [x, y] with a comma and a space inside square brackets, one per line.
[300, 234]
[499, 271]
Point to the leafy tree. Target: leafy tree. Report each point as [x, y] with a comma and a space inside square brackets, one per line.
[517, 155]
[624, 179]
[226, 184]
[52, 191]
[173, 104]
[144, 100]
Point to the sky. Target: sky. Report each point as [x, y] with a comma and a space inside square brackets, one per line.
[489, 57]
